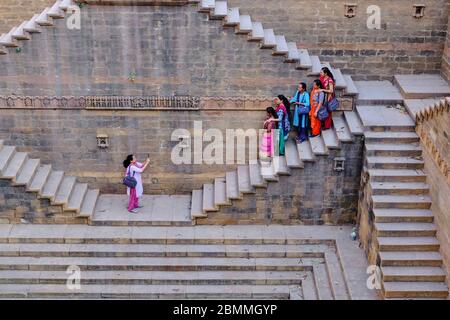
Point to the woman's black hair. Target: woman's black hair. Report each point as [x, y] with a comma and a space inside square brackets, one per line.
[318, 83]
[286, 103]
[328, 72]
[303, 85]
[272, 112]
[127, 161]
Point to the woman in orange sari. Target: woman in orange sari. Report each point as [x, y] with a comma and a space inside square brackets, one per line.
[317, 98]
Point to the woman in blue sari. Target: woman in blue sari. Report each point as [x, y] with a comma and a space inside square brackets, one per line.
[301, 113]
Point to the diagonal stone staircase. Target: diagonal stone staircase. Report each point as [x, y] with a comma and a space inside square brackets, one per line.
[404, 233]
[41, 179]
[268, 39]
[243, 182]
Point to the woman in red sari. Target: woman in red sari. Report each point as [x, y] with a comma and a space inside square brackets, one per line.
[328, 84]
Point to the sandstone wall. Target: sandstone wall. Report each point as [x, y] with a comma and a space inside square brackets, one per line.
[446, 55]
[404, 44]
[144, 50]
[434, 133]
[67, 140]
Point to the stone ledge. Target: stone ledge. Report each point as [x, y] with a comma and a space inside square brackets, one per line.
[146, 103]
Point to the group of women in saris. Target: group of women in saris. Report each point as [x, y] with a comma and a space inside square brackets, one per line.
[305, 115]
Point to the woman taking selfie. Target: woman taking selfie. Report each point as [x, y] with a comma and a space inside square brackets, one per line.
[135, 169]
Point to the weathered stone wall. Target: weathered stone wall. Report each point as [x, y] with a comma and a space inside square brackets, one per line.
[67, 140]
[434, 133]
[316, 194]
[446, 55]
[172, 50]
[14, 12]
[404, 44]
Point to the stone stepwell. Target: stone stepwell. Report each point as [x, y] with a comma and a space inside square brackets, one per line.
[198, 262]
[397, 195]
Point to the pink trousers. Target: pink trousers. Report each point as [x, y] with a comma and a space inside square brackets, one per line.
[134, 200]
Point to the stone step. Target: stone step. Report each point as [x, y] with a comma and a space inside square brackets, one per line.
[197, 205]
[281, 47]
[15, 165]
[6, 154]
[402, 202]
[305, 151]
[162, 250]
[318, 146]
[40, 178]
[232, 18]
[410, 258]
[292, 155]
[89, 203]
[269, 41]
[31, 26]
[156, 277]
[330, 139]
[206, 5]
[400, 188]
[20, 33]
[293, 54]
[28, 172]
[244, 184]
[220, 192]
[220, 292]
[55, 11]
[397, 175]
[232, 186]
[208, 198]
[391, 137]
[413, 274]
[7, 39]
[77, 197]
[65, 4]
[316, 66]
[157, 263]
[341, 129]
[51, 187]
[305, 60]
[3, 49]
[257, 33]
[43, 19]
[354, 123]
[408, 243]
[64, 191]
[280, 167]
[254, 234]
[393, 150]
[394, 163]
[391, 128]
[220, 10]
[268, 171]
[256, 178]
[415, 290]
[410, 229]
[351, 90]
[245, 25]
[403, 215]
